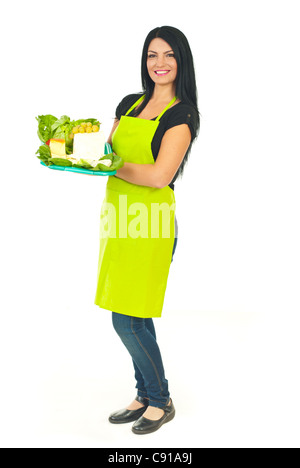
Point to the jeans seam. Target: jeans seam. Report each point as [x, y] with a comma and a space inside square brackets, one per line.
[145, 351]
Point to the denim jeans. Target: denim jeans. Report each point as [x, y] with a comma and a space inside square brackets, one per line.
[138, 336]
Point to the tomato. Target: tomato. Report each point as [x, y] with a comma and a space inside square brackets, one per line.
[48, 142]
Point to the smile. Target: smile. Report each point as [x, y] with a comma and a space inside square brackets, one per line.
[162, 72]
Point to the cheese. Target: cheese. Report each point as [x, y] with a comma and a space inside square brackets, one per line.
[57, 147]
[88, 145]
[95, 162]
[106, 162]
[70, 158]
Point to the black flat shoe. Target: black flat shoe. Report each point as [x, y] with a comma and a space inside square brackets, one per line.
[125, 416]
[146, 426]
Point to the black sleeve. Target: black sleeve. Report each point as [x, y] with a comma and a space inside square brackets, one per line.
[126, 103]
[183, 114]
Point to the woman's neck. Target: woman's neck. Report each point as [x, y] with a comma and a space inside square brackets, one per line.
[163, 93]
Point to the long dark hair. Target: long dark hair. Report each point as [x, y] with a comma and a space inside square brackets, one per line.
[186, 89]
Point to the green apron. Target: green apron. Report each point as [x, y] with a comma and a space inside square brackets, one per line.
[137, 229]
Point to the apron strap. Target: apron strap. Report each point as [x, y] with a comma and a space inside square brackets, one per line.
[135, 104]
[166, 108]
[160, 115]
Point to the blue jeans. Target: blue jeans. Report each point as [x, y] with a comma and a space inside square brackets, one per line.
[139, 337]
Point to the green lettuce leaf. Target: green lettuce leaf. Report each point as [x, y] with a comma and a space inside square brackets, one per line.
[45, 123]
[84, 164]
[118, 162]
[44, 153]
[60, 162]
[60, 126]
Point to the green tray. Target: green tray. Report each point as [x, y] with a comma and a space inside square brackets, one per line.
[107, 150]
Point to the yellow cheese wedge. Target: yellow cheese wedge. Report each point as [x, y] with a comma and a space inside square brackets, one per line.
[57, 147]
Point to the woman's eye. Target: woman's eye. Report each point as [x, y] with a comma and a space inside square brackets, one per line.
[150, 56]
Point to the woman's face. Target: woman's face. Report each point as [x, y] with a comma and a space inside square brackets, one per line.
[161, 62]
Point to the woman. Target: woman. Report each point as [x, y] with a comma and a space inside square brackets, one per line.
[153, 133]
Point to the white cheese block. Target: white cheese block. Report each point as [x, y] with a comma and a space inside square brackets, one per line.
[106, 162]
[89, 145]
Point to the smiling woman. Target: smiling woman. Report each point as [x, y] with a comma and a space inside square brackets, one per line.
[153, 133]
[164, 48]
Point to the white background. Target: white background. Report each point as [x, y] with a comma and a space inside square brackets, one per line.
[229, 333]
